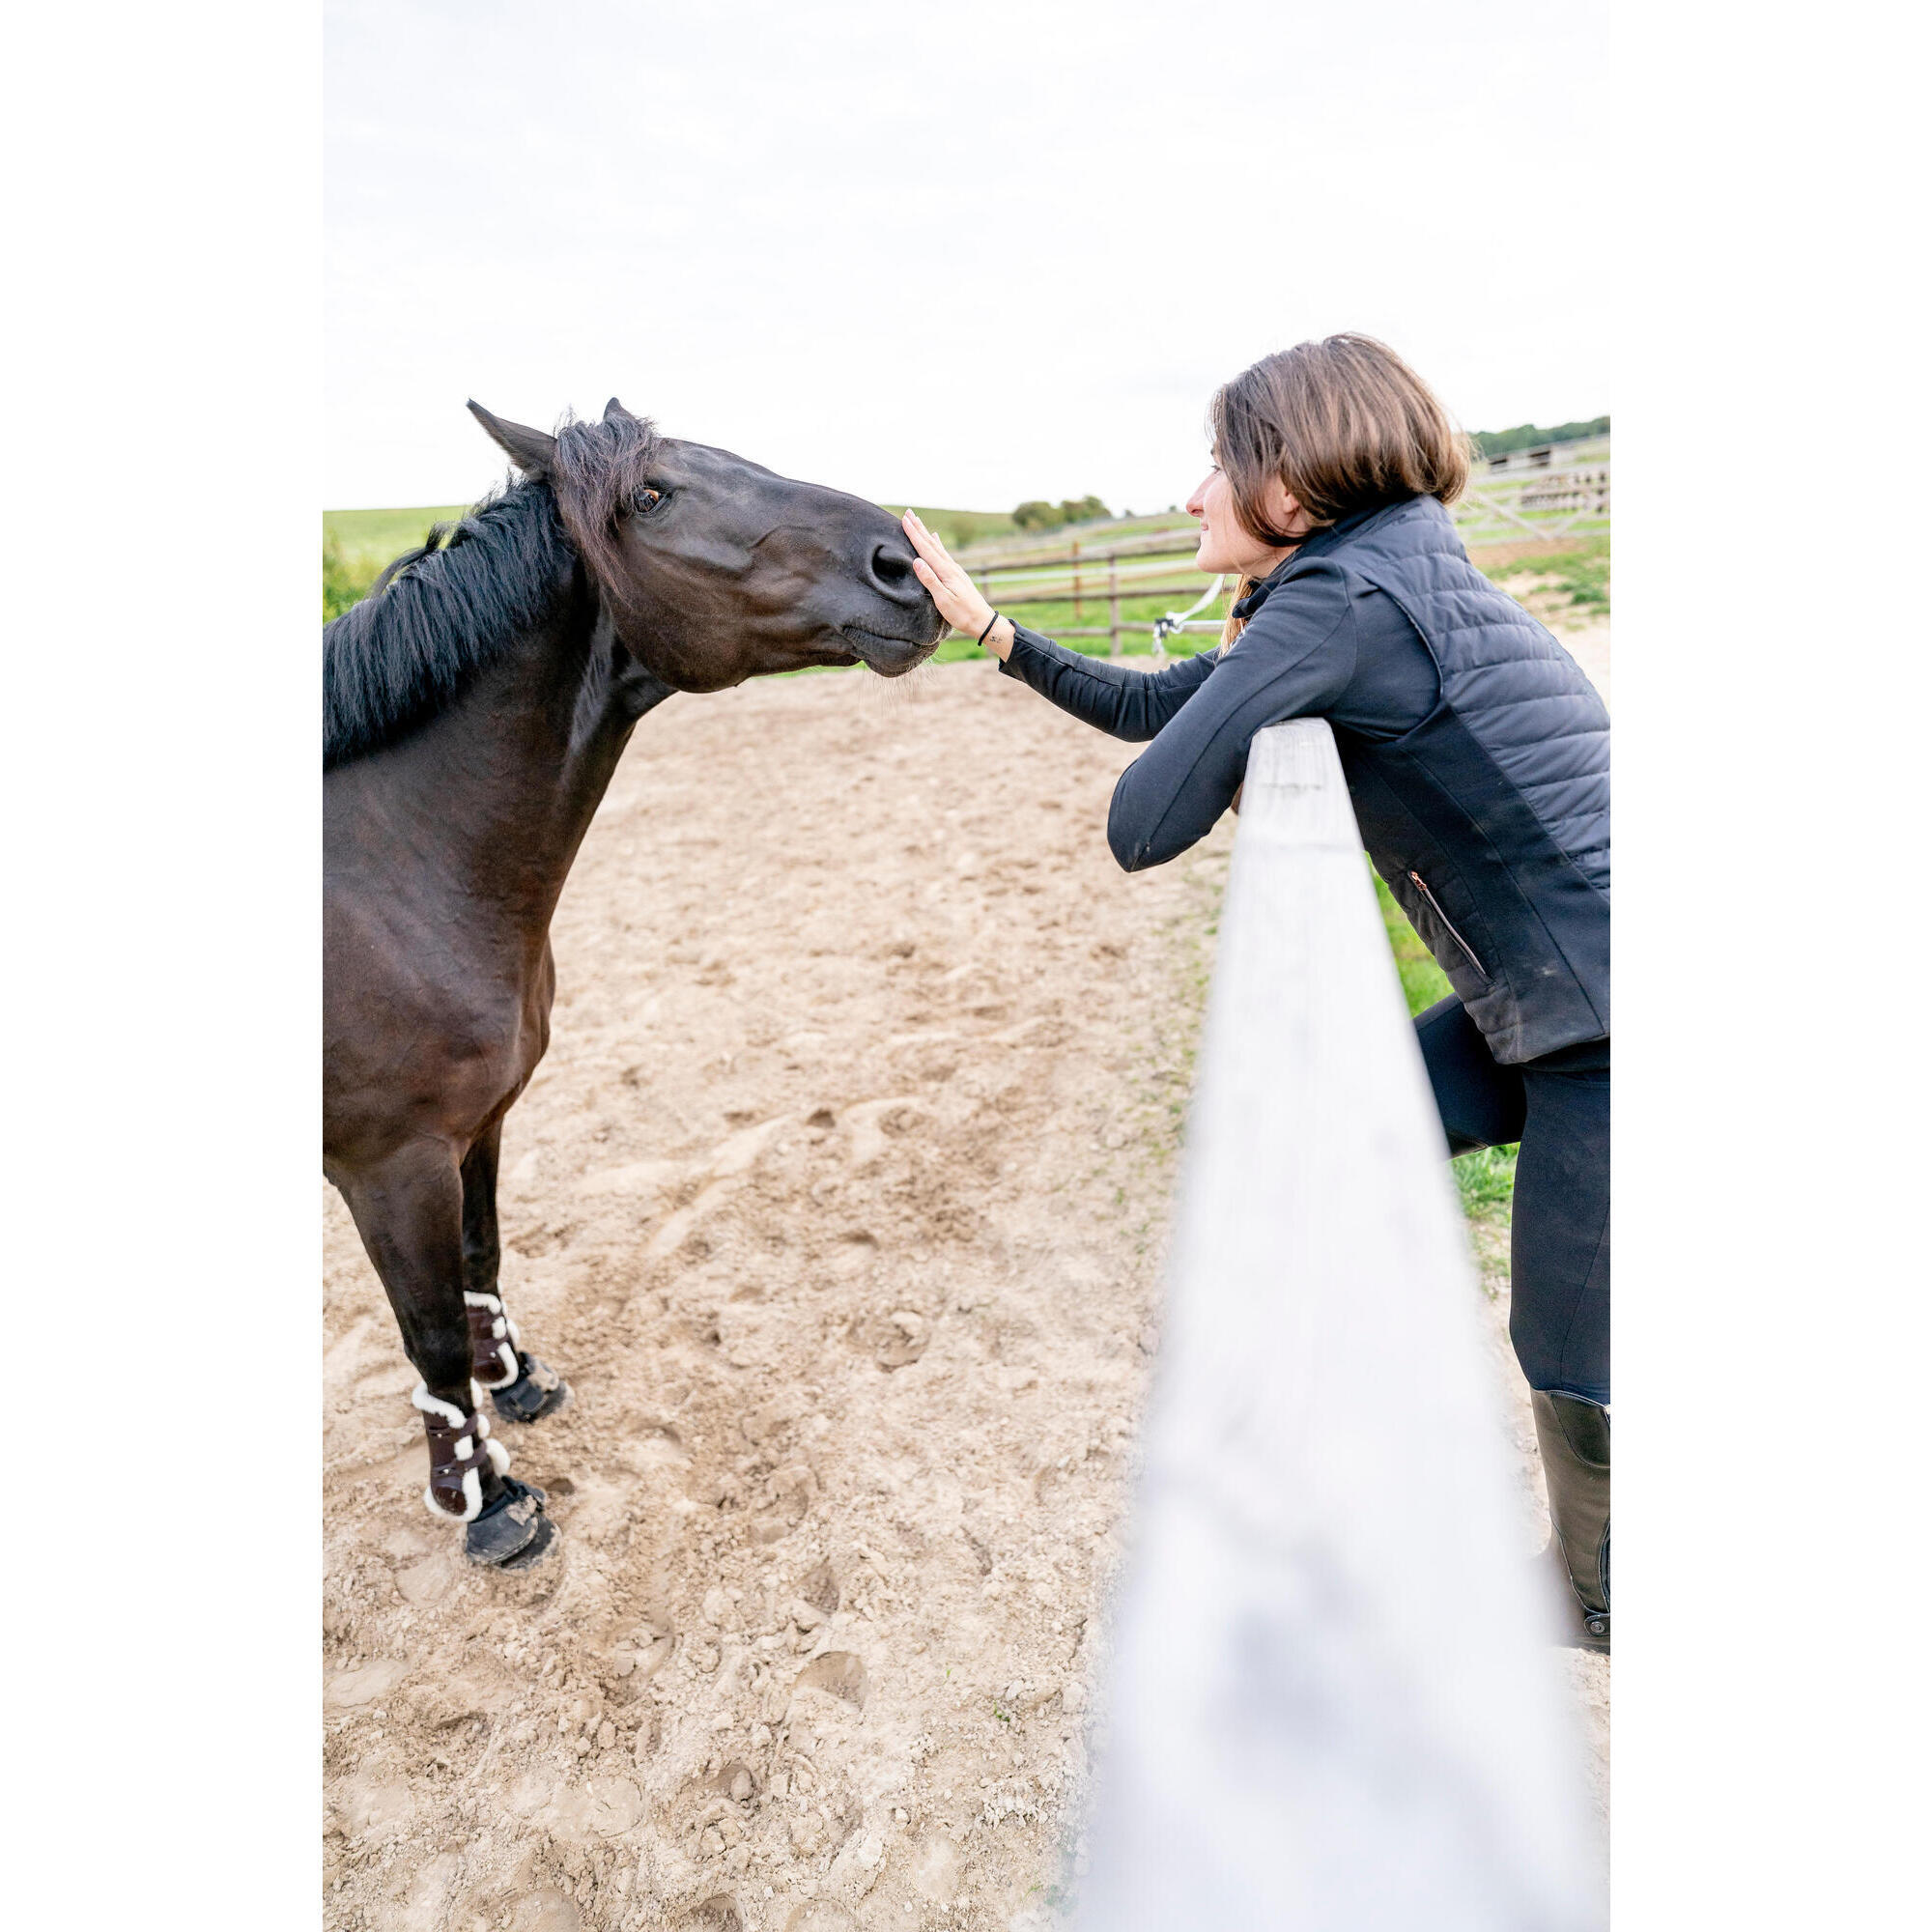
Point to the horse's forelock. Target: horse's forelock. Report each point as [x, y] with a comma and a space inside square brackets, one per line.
[598, 467]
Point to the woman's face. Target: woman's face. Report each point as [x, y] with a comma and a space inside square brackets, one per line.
[1225, 546]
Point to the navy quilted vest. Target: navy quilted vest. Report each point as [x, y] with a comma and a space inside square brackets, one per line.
[1491, 820]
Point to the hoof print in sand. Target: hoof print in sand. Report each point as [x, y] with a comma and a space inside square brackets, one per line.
[717, 1913]
[872, 1124]
[856, 1252]
[821, 1915]
[937, 1867]
[547, 1911]
[820, 1587]
[839, 1673]
[903, 1337]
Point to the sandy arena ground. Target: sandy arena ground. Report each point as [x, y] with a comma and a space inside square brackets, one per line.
[841, 1202]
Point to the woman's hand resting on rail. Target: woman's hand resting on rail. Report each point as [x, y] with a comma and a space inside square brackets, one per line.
[953, 590]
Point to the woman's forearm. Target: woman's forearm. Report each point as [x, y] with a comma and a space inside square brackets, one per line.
[1124, 703]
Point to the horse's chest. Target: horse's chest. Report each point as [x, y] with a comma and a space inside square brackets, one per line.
[430, 1026]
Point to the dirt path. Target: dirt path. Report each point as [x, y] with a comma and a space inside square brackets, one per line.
[840, 1201]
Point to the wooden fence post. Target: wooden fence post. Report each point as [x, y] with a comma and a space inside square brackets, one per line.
[1112, 605]
[1332, 1703]
[1076, 579]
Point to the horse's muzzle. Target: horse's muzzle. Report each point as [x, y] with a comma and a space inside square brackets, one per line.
[890, 657]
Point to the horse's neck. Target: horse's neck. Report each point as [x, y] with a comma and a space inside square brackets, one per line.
[513, 774]
[608, 692]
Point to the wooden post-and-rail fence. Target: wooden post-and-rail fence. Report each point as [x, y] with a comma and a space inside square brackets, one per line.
[1014, 584]
[1333, 1701]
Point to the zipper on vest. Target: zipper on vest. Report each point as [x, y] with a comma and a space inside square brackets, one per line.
[1415, 879]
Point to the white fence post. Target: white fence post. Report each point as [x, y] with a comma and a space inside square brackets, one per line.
[1333, 1704]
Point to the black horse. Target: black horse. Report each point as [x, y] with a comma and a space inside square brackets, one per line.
[476, 705]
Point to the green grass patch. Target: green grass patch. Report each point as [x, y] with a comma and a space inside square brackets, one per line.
[1090, 537]
[370, 538]
[356, 544]
[1572, 582]
[956, 529]
[1486, 1179]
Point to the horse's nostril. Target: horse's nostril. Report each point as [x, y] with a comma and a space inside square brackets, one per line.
[892, 567]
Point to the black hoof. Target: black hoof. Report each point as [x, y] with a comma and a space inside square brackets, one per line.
[512, 1531]
[537, 1392]
[532, 1552]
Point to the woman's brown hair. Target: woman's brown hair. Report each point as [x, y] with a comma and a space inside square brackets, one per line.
[1345, 423]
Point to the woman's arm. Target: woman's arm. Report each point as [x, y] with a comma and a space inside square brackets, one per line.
[1295, 659]
[1125, 703]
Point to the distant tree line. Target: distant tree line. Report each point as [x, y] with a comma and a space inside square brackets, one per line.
[1528, 435]
[1038, 516]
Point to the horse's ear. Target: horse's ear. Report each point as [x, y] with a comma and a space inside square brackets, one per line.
[529, 450]
[616, 412]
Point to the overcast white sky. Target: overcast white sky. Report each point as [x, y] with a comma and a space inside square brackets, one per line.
[959, 256]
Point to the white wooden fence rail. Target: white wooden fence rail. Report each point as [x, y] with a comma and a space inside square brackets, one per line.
[1332, 1703]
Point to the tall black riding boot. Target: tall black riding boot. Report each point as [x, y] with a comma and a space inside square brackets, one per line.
[1573, 1434]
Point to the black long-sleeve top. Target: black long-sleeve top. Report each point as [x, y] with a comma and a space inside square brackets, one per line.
[1329, 645]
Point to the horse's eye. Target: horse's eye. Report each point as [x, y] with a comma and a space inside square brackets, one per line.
[646, 501]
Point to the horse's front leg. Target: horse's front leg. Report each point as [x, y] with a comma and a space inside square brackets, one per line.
[522, 1387]
[410, 1213]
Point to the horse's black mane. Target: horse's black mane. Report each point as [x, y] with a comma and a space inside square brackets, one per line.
[438, 617]
[442, 614]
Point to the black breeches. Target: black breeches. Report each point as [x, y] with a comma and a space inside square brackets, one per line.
[1559, 1108]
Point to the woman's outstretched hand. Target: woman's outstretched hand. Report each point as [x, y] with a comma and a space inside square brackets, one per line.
[953, 590]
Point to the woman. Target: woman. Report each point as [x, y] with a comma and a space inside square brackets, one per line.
[1477, 755]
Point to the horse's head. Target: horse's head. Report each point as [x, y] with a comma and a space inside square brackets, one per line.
[715, 570]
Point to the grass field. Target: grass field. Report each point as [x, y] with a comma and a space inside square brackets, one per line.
[356, 544]
[368, 539]
[959, 530]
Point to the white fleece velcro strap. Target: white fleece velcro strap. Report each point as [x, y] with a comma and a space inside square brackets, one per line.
[488, 1301]
[444, 1411]
[472, 1500]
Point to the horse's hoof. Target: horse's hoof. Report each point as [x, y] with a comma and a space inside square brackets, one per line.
[537, 1392]
[532, 1553]
[512, 1530]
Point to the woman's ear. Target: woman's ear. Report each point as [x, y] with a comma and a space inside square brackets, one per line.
[529, 450]
[1285, 514]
